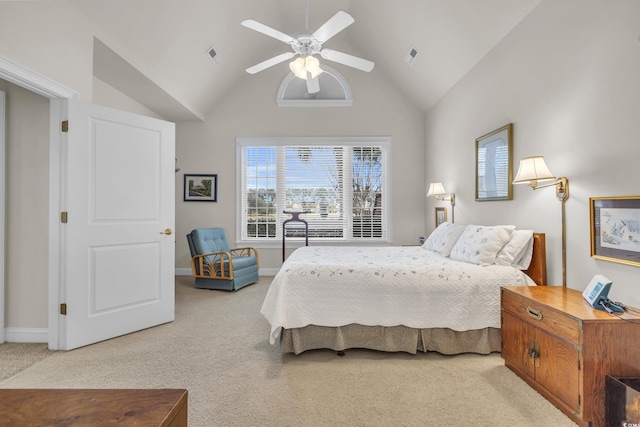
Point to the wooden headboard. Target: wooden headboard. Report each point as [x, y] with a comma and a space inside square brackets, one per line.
[538, 267]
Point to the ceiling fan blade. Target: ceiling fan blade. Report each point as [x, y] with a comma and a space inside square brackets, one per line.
[346, 59]
[261, 28]
[313, 85]
[270, 62]
[333, 26]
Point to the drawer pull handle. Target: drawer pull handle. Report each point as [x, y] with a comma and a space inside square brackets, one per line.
[536, 314]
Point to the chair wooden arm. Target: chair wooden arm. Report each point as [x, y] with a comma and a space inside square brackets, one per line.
[240, 252]
[211, 266]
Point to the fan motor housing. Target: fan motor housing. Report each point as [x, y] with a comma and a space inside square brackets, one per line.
[306, 45]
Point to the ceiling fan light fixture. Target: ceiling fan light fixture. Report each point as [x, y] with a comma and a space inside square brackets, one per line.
[305, 45]
[313, 66]
[302, 66]
[297, 67]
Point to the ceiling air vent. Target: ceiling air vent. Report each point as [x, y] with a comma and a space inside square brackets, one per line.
[411, 56]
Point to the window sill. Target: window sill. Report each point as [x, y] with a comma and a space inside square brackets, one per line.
[291, 243]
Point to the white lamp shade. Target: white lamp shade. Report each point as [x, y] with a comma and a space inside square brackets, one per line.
[436, 189]
[533, 169]
[300, 66]
[313, 66]
[297, 68]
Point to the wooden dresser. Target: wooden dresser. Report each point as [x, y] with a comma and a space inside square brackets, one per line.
[554, 340]
[93, 407]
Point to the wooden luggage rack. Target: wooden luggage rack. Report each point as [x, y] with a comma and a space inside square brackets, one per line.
[295, 217]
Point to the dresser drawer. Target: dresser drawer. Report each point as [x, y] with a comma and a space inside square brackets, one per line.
[542, 316]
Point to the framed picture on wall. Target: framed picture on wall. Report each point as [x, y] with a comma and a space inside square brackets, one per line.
[494, 165]
[200, 188]
[615, 229]
[441, 216]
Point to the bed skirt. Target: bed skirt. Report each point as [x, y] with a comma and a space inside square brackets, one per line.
[390, 339]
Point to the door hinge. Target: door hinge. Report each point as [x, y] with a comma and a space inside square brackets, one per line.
[64, 216]
[63, 309]
[65, 126]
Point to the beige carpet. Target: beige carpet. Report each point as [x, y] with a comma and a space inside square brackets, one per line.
[218, 349]
[16, 357]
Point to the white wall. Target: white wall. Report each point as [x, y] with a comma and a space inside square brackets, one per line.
[52, 38]
[567, 77]
[106, 95]
[250, 110]
[27, 210]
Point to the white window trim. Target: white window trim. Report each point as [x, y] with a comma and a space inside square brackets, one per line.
[383, 141]
[329, 73]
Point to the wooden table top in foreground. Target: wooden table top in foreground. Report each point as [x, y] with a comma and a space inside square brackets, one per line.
[93, 407]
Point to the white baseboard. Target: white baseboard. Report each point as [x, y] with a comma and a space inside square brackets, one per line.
[28, 335]
[41, 335]
[262, 272]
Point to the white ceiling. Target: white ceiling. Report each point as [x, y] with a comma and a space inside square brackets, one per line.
[162, 45]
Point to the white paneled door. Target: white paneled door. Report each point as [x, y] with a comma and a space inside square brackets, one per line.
[117, 273]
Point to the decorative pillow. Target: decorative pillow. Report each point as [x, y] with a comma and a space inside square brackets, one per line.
[443, 238]
[518, 251]
[480, 244]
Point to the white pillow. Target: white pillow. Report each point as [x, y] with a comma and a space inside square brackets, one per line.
[443, 238]
[525, 260]
[518, 251]
[480, 244]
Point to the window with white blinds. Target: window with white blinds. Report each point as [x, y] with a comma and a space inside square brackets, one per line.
[339, 182]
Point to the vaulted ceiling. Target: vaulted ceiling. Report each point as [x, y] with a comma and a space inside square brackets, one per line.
[156, 51]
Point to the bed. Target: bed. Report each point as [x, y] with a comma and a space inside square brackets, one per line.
[443, 296]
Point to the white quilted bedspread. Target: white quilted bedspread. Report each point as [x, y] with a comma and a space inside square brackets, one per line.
[387, 286]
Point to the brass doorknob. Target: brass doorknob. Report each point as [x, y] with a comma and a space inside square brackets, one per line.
[168, 232]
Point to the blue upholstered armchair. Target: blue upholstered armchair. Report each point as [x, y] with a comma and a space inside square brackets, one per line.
[216, 266]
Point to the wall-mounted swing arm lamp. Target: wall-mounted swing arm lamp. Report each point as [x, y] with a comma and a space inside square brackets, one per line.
[437, 190]
[533, 170]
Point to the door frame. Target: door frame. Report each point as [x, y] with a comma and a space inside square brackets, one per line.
[56, 93]
[3, 173]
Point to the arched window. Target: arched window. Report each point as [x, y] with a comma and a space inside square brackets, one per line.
[334, 91]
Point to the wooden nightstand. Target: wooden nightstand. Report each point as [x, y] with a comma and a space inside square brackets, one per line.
[555, 341]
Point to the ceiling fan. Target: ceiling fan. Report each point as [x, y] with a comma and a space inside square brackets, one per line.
[305, 46]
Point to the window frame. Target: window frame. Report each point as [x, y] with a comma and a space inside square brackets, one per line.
[383, 142]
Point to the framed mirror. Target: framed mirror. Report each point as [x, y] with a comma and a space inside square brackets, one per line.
[494, 165]
[441, 216]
